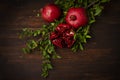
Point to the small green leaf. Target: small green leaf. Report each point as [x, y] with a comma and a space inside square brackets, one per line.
[81, 47]
[58, 57]
[52, 24]
[44, 53]
[50, 50]
[49, 66]
[47, 56]
[55, 56]
[46, 47]
[31, 44]
[74, 49]
[92, 21]
[88, 36]
[38, 15]
[104, 1]
[84, 40]
[44, 74]
[75, 36]
[98, 9]
[24, 29]
[26, 50]
[36, 32]
[43, 33]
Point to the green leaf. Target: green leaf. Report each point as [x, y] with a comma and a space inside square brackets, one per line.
[81, 47]
[50, 50]
[98, 9]
[49, 66]
[43, 33]
[92, 17]
[57, 1]
[84, 40]
[31, 44]
[38, 15]
[55, 56]
[36, 32]
[44, 74]
[47, 56]
[75, 36]
[104, 1]
[88, 36]
[44, 53]
[26, 32]
[75, 47]
[92, 21]
[26, 50]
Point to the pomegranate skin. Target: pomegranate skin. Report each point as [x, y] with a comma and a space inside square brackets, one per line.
[50, 12]
[76, 17]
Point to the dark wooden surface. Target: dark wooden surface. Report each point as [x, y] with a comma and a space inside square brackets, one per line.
[99, 61]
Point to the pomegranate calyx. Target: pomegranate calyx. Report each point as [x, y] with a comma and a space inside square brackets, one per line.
[73, 17]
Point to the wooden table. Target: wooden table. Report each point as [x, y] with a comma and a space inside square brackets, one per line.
[99, 61]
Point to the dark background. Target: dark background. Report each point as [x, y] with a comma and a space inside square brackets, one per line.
[99, 61]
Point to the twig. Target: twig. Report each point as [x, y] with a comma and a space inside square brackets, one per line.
[92, 4]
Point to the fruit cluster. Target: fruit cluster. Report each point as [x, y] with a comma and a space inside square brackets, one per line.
[63, 35]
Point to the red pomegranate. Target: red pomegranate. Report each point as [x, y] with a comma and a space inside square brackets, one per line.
[58, 42]
[63, 36]
[50, 12]
[62, 27]
[68, 37]
[76, 17]
[54, 35]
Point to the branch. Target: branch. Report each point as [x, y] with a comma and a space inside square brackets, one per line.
[92, 4]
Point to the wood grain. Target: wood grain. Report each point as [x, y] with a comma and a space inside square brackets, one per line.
[99, 61]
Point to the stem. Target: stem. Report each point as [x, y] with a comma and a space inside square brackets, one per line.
[76, 1]
[92, 4]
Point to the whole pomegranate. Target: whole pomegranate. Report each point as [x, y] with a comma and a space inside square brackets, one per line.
[76, 17]
[50, 12]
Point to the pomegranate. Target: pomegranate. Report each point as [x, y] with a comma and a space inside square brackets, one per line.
[76, 17]
[54, 35]
[68, 37]
[63, 36]
[61, 28]
[69, 33]
[58, 42]
[50, 12]
[69, 41]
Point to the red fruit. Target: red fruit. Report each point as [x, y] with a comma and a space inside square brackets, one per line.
[68, 37]
[69, 33]
[54, 35]
[63, 36]
[69, 41]
[61, 28]
[58, 42]
[50, 12]
[76, 17]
